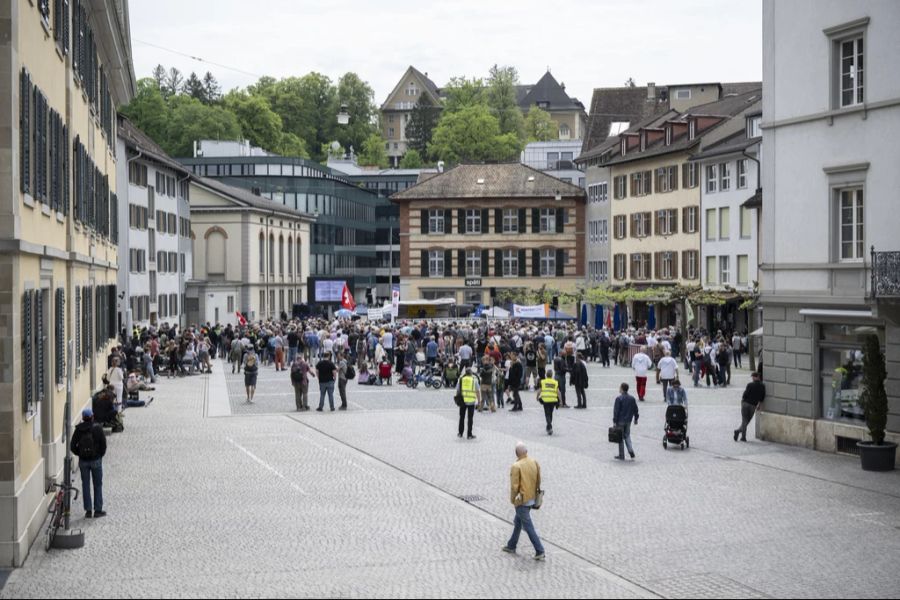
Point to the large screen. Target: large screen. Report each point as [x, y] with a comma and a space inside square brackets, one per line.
[329, 290]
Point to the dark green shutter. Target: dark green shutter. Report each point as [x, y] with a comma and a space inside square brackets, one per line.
[485, 216]
[448, 263]
[461, 263]
[424, 259]
[39, 346]
[522, 270]
[498, 220]
[461, 220]
[522, 213]
[77, 319]
[536, 262]
[498, 263]
[448, 221]
[485, 259]
[535, 220]
[60, 335]
[27, 350]
[25, 132]
[560, 263]
[424, 218]
[560, 220]
[111, 291]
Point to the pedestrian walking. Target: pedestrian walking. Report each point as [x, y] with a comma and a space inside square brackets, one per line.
[469, 396]
[343, 369]
[524, 484]
[237, 355]
[549, 395]
[516, 373]
[300, 380]
[754, 396]
[559, 371]
[251, 371]
[676, 395]
[624, 411]
[580, 380]
[641, 364]
[89, 445]
[487, 375]
[667, 372]
[116, 378]
[326, 370]
[604, 349]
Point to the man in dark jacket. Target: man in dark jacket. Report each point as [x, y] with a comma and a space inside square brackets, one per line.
[104, 408]
[89, 445]
[754, 396]
[516, 374]
[580, 380]
[624, 410]
[604, 349]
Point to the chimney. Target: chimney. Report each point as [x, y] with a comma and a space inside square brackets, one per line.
[562, 85]
[651, 91]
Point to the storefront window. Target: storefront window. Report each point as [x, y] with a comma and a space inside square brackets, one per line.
[841, 369]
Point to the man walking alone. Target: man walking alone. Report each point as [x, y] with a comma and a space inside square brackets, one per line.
[524, 483]
[624, 410]
[89, 445]
[549, 395]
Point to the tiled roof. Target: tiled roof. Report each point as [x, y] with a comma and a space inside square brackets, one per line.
[547, 89]
[613, 142]
[618, 104]
[143, 143]
[736, 142]
[507, 180]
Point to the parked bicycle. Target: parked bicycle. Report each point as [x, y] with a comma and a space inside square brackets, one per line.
[429, 376]
[58, 511]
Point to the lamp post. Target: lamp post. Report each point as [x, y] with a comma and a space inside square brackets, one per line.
[343, 117]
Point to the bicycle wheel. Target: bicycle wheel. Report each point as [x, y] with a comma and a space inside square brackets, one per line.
[436, 383]
[53, 525]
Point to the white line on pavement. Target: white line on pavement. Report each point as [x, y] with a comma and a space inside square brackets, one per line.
[267, 466]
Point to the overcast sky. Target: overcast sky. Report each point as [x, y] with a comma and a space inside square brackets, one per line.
[585, 43]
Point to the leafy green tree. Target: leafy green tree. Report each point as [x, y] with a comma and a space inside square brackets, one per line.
[148, 110]
[307, 105]
[192, 120]
[501, 97]
[331, 150]
[211, 88]
[291, 145]
[258, 122]
[412, 160]
[193, 87]
[159, 75]
[359, 98]
[373, 153]
[539, 127]
[422, 122]
[462, 92]
[172, 83]
[472, 134]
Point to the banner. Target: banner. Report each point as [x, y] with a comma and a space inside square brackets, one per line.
[347, 299]
[538, 311]
[241, 320]
[395, 301]
[376, 314]
[690, 311]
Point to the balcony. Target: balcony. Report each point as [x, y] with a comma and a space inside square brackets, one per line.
[885, 275]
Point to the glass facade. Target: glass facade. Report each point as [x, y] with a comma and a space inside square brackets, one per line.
[840, 349]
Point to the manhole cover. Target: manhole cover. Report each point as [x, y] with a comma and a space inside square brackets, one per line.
[472, 498]
[706, 585]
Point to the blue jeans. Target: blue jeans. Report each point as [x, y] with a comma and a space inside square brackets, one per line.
[292, 354]
[329, 389]
[91, 469]
[626, 439]
[523, 520]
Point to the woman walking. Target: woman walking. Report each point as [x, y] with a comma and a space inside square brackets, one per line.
[251, 370]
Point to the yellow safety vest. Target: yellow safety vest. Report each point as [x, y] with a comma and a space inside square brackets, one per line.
[549, 391]
[469, 394]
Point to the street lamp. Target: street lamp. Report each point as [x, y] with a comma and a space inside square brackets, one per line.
[343, 117]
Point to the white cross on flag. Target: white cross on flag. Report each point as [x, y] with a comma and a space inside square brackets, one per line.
[347, 299]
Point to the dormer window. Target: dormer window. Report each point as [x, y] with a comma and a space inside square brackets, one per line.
[543, 104]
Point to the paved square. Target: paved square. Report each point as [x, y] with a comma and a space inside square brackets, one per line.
[210, 496]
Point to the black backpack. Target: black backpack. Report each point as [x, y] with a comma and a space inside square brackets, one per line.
[351, 372]
[87, 450]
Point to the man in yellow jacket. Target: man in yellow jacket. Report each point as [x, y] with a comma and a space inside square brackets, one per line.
[468, 389]
[524, 482]
[548, 395]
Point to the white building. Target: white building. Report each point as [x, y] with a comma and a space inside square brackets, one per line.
[831, 101]
[555, 158]
[730, 243]
[155, 246]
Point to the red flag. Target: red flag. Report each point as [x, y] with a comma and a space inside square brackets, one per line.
[347, 299]
[241, 320]
[609, 322]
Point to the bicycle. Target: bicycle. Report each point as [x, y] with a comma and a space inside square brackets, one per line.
[58, 511]
[426, 375]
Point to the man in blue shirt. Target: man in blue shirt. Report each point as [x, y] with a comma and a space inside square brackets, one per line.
[431, 351]
[624, 410]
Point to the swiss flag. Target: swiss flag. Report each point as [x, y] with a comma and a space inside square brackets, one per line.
[609, 321]
[347, 299]
[241, 319]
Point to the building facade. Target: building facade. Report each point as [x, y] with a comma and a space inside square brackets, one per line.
[397, 109]
[556, 158]
[251, 255]
[475, 230]
[830, 182]
[67, 67]
[155, 224]
[566, 112]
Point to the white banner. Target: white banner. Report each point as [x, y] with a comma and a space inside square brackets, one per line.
[395, 301]
[538, 311]
[375, 314]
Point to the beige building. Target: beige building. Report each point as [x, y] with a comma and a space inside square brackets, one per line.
[478, 228]
[251, 255]
[67, 67]
[397, 109]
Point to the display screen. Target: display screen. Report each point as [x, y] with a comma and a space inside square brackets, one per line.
[329, 290]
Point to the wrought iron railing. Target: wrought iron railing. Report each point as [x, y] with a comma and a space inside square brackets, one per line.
[885, 274]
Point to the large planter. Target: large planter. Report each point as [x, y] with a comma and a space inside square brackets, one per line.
[877, 458]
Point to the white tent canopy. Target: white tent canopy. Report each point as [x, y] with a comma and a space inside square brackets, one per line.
[496, 313]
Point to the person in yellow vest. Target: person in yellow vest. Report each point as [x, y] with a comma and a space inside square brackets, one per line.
[471, 396]
[548, 395]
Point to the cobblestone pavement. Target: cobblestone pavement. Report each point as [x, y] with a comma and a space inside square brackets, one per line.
[268, 502]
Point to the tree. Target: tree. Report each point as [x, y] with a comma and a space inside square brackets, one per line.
[501, 97]
[148, 110]
[192, 120]
[873, 398]
[373, 153]
[462, 92]
[539, 127]
[291, 145]
[472, 134]
[173, 82]
[411, 160]
[211, 88]
[422, 122]
[307, 105]
[193, 87]
[359, 98]
[159, 75]
[258, 122]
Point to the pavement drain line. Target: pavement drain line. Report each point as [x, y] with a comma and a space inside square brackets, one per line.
[596, 569]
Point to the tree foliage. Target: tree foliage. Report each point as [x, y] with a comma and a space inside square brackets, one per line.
[373, 153]
[462, 93]
[193, 87]
[148, 110]
[172, 82]
[359, 98]
[258, 122]
[873, 397]
[192, 120]
[472, 134]
[501, 97]
[539, 127]
[422, 122]
[412, 160]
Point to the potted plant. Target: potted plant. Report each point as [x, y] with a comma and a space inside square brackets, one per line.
[876, 455]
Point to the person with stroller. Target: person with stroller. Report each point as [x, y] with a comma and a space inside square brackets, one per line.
[676, 416]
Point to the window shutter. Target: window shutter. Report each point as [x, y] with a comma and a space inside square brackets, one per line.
[60, 335]
[684, 174]
[485, 215]
[560, 262]
[485, 259]
[498, 263]
[535, 220]
[634, 219]
[65, 168]
[111, 292]
[560, 219]
[498, 220]
[521, 224]
[674, 265]
[522, 270]
[461, 263]
[674, 178]
[27, 351]
[535, 262]
[674, 220]
[424, 218]
[631, 182]
[656, 224]
[39, 346]
[648, 182]
[448, 263]
[684, 218]
[25, 131]
[424, 258]
[657, 265]
[461, 220]
[77, 325]
[448, 221]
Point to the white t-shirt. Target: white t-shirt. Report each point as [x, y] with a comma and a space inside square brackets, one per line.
[641, 364]
[651, 341]
[667, 367]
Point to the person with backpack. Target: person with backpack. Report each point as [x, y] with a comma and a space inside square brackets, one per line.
[251, 371]
[89, 445]
[300, 374]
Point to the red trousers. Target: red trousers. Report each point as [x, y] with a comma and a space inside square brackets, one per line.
[641, 387]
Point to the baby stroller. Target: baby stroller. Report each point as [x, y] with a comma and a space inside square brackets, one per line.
[676, 427]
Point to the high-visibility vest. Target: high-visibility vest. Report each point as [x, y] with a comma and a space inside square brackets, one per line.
[469, 394]
[549, 391]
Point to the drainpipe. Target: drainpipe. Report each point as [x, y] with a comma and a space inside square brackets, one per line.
[752, 328]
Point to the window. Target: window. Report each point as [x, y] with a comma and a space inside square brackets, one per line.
[742, 174]
[620, 184]
[689, 219]
[436, 263]
[852, 234]
[262, 254]
[724, 270]
[272, 255]
[548, 220]
[743, 262]
[851, 72]
[667, 221]
[724, 177]
[619, 224]
[711, 179]
[548, 263]
[604, 270]
[690, 259]
[436, 221]
[640, 225]
[510, 220]
[604, 231]
[746, 222]
[640, 183]
[391, 132]
[564, 132]
[724, 223]
[689, 174]
[841, 349]
[473, 263]
[602, 191]
[619, 266]
[640, 266]
[682, 94]
[281, 255]
[617, 127]
[666, 179]
[710, 270]
[667, 265]
[473, 220]
[510, 263]
[710, 224]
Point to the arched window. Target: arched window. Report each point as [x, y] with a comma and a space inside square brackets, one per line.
[262, 253]
[281, 255]
[272, 254]
[564, 132]
[290, 254]
[215, 252]
[299, 263]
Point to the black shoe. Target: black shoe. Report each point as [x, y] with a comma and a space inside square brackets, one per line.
[549, 432]
[743, 439]
[89, 515]
[318, 410]
[471, 437]
[99, 513]
[617, 457]
[459, 435]
[631, 454]
[736, 434]
[343, 407]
